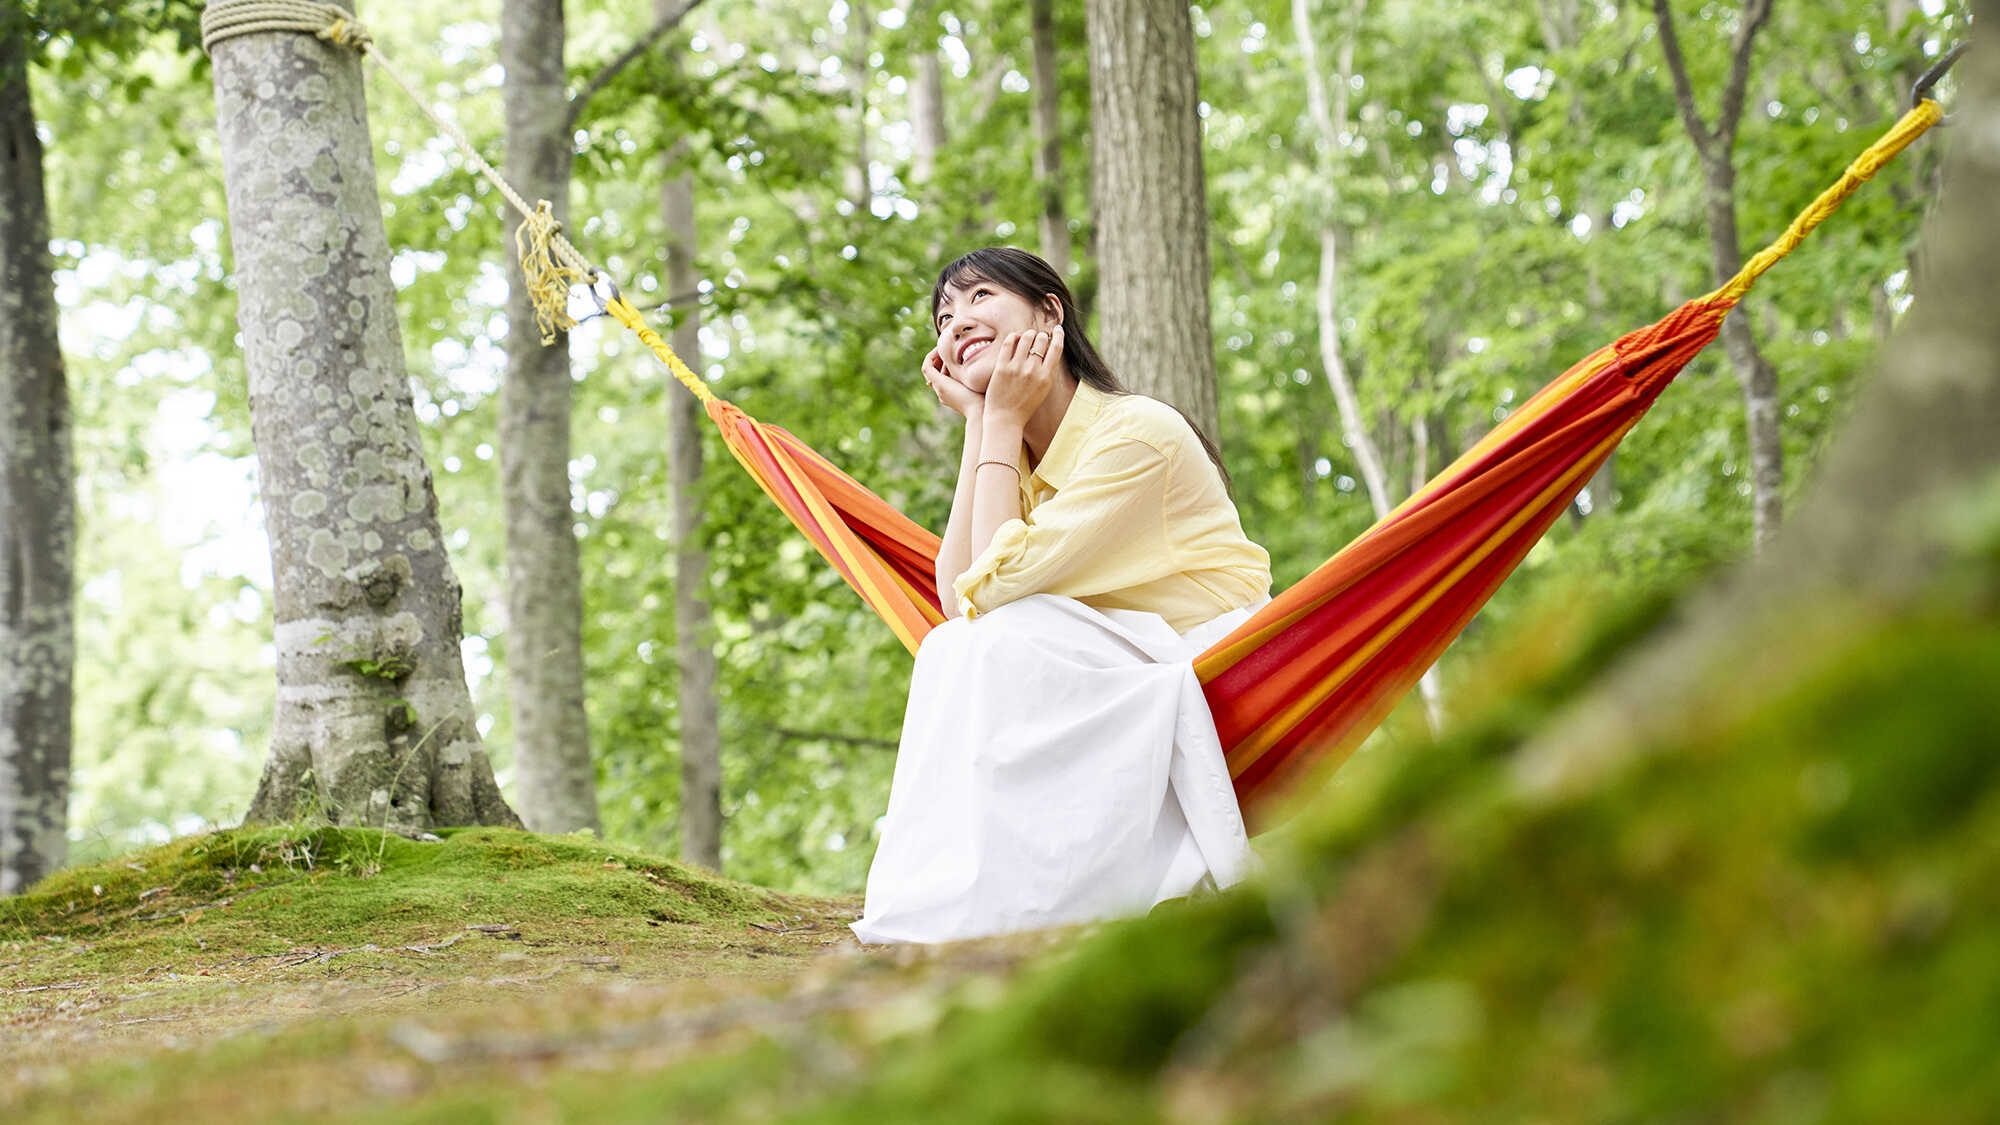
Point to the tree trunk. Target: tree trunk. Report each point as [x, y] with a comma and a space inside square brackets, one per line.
[374, 724]
[926, 106]
[1054, 221]
[1715, 144]
[1754, 373]
[860, 185]
[37, 509]
[1329, 117]
[1151, 209]
[554, 781]
[1353, 425]
[694, 630]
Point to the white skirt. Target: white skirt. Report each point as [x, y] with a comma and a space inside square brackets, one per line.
[1058, 765]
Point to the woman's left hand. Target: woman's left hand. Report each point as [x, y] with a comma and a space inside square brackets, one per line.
[1023, 374]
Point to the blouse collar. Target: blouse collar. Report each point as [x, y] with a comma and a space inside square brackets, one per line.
[1058, 464]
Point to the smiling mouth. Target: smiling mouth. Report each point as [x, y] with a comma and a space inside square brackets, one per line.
[972, 349]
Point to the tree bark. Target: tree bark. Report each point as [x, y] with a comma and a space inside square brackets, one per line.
[1754, 373]
[1150, 203]
[1716, 146]
[694, 629]
[554, 781]
[374, 724]
[1053, 220]
[37, 509]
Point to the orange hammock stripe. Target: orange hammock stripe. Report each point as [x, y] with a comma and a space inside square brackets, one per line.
[1307, 678]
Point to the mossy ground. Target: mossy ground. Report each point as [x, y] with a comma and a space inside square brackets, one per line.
[1779, 910]
[199, 965]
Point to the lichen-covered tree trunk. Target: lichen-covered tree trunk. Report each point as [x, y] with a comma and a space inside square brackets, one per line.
[1150, 203]
[374, 724]
[555, 784]
[694, 630]
[37, 509]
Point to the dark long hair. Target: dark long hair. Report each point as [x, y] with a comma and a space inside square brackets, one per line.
[1033, 280]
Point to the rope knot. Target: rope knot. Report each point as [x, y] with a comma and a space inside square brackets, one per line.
[551, 267]
[346, 31]
[222, 20]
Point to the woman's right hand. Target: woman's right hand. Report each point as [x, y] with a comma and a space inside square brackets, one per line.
[962, 399]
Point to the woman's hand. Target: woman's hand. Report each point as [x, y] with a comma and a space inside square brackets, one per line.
[962, 399]
[1023, 374]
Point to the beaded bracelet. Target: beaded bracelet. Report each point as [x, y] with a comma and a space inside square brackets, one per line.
[1002, 464]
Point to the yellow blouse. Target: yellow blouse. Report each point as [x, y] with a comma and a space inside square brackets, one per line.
[1124, 512]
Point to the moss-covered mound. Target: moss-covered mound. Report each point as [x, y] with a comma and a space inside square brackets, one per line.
[264, 972]
[252, 887]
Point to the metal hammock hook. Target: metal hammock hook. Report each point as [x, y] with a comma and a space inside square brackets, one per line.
[1921, 89]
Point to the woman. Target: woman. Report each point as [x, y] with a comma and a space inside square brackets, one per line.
[1058, 761]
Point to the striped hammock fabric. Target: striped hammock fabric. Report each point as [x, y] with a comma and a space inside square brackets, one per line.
[1300, 684]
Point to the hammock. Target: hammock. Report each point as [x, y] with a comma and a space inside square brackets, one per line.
[1300, 684]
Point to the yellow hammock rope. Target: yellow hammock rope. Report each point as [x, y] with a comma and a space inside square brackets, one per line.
[1914, 124]
[553, 267]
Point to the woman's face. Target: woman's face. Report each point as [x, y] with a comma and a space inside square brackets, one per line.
[972, 319]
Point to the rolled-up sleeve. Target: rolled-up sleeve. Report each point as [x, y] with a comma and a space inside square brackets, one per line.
[1103, 530]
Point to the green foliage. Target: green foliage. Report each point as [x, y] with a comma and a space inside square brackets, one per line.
[63, 33]
[390, 668]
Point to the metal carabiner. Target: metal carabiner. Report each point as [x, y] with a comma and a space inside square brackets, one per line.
[603, 303]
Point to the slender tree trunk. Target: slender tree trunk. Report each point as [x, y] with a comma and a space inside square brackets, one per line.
[1754, 373]
[37, 509]
[1353, 424]
[1151, 203]
[374, 724]
[860, 186]
[1716, 144]
[1053, 220]
[557, 778]
[1329, 111]
[1329, 117]
[927, 131]
[694, 630]
[1420, 453]
[554, 781]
